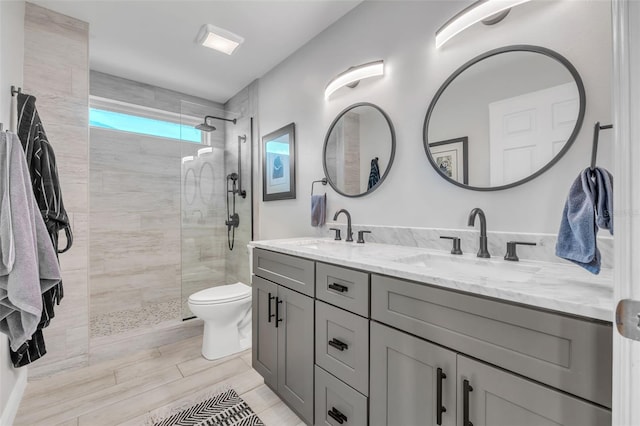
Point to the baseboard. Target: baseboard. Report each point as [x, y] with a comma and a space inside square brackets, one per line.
[13, 403]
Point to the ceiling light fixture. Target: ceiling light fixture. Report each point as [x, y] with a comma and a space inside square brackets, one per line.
[219, 39]
[489, 11]
[353, 75]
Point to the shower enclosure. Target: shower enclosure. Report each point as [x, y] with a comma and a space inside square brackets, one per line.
[215, 202]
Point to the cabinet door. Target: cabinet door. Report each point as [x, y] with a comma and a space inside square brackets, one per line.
[497, 397]
[405, 380]
[264, 333]
[295, 351]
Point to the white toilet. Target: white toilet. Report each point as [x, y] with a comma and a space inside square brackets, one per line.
[226, 312]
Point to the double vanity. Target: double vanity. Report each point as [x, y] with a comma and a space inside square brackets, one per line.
[379, 334]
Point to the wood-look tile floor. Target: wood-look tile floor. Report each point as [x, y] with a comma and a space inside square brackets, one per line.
[125, 391]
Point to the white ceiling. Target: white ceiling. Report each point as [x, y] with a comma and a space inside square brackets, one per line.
[154, 41]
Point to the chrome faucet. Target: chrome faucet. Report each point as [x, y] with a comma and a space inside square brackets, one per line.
[482, 251]
[349, 231]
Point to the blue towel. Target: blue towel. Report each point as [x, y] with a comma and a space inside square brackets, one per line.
[318, 209]
[589, 198]
[604, 199]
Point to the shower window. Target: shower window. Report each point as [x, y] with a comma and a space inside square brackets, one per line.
[125, 117]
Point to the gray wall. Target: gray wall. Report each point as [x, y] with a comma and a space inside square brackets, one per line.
[12, 380]
[293, 91]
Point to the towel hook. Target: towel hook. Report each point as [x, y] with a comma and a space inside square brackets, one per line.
[596, 135]
[322, 181]
[15, 91]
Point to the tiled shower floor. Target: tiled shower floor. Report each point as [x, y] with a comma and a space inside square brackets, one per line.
[122, 321]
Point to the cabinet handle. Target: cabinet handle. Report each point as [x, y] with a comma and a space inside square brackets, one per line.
[439, 407]
[269, 310]
[337, 415]
[339, 287]
[341, 346]
[466, 388]
[278, 319]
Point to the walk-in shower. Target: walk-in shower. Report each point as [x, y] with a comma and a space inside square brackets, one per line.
[216, 212]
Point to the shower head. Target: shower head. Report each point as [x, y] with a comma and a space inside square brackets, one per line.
[205, 127]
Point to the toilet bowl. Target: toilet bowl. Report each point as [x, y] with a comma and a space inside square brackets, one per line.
[226, 312]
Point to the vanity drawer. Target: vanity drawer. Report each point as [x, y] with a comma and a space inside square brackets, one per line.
[347, 404]
[343, 287]
[290, 271]
[565, 352]
[342, 345]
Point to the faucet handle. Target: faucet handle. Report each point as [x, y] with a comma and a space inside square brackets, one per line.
[456, 244]
[337, 238]
[361, 236]
[511, 249]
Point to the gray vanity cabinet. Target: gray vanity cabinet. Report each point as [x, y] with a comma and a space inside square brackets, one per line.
[406, 375]
[264, 334]
[283, 328]
[497, 397]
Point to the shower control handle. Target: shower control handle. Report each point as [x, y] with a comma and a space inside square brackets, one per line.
[278, 319]
[270, 315]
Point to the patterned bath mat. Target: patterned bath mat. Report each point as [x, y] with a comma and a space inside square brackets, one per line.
[223, 409]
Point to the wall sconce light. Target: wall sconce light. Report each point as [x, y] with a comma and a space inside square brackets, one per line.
[488, 11]
[219, 39]
[353, 75]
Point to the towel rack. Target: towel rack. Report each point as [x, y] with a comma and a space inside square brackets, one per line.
[596, 135]
[15, 91]
[322, 181]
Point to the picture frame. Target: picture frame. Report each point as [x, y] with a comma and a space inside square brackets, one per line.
[278, 164]
[452, 158]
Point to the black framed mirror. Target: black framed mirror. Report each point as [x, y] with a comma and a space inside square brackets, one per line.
[504, 118]
[359, 148]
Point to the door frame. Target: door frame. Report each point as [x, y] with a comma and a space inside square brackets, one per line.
[626, 109]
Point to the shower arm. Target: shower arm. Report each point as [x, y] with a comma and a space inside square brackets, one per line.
[206, 117]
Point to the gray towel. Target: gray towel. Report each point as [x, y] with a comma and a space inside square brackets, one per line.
[35, 268]
[318, 210]
[589, 198]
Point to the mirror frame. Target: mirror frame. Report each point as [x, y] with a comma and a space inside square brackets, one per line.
[513, 48]
[391, 157]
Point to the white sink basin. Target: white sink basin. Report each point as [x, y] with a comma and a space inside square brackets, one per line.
[472, 266]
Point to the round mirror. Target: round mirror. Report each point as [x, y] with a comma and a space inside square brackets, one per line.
[359, 150]
[504, 117]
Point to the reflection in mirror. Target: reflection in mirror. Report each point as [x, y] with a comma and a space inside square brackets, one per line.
[359, 150]
[512, 112]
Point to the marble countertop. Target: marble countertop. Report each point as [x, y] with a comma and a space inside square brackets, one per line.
[556, 286]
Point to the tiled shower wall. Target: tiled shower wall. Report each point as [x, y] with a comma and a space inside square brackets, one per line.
[243, 106]
[56, 71]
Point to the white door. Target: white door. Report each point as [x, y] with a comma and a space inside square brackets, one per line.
[527, 131]
[626, 92]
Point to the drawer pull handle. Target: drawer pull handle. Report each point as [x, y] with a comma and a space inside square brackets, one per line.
[341, 346]
[439, 407]
[337, 415]
[466, 388]
[339, 287]
[269, 310]
[278, 319]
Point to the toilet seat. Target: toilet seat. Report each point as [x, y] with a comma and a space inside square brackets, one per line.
[221, 294]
